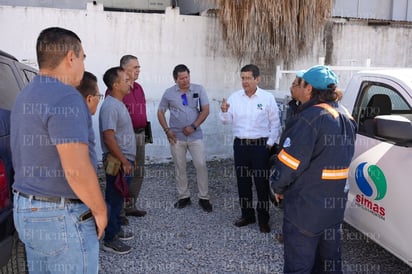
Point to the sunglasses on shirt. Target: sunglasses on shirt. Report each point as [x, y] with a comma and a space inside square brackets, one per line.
[184, 99]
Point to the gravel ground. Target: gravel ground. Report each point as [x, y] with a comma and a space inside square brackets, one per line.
[189, 240]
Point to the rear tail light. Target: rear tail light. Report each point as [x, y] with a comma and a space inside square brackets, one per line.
[4, 187]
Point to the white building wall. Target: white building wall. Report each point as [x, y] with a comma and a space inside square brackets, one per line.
[162, 41]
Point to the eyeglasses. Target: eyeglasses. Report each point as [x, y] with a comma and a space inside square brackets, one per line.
[100, 96]
[294, 85]
[184, 99]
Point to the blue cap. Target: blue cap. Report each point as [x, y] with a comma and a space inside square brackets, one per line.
[320, 77]
[299, 73]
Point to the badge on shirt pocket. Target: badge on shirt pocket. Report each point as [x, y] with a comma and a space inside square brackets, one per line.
[197, 100]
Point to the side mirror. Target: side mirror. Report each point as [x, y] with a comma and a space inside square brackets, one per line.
[393, 127]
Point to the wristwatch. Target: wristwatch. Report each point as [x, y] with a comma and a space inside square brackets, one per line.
[193, 126]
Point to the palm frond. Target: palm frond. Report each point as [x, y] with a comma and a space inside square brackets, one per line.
[276, 30]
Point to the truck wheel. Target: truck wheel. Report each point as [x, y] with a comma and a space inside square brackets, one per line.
[17, 263]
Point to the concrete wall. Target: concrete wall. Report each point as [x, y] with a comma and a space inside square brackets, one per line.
[162, 41]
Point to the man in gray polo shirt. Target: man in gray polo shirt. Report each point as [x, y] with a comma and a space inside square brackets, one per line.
[117, 140]
[189, 108]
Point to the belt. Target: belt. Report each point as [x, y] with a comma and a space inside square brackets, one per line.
[138, 130]
[258, 141]
[56, 200]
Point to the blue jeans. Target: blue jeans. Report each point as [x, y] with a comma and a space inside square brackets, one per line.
[54, 237]
[305, 252]
[114, 202]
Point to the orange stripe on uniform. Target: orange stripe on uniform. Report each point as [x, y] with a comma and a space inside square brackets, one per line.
[330, 109]
[288, 160]
[347, 112]
[335, 174]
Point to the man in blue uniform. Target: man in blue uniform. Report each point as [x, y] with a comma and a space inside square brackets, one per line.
[310, 174]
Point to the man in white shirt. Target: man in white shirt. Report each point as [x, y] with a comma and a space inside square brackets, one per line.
[254, 116]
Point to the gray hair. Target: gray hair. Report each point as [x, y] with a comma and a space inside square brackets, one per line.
[126, 59]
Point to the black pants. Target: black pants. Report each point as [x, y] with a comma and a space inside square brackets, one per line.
[251, 164]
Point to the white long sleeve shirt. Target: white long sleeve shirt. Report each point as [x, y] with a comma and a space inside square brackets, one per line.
[253, 117]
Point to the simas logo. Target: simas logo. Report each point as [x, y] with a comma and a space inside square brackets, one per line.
[372, 183]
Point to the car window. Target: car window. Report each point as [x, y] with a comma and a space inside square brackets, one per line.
[8, 86]
[398, 103]
[378, 99]
[29, 75]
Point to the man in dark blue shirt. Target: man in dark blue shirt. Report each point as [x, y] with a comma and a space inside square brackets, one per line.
[56, 187]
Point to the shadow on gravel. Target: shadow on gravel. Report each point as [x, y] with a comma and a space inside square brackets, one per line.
[189, 240]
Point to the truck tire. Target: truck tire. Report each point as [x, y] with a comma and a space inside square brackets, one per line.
[18, 262]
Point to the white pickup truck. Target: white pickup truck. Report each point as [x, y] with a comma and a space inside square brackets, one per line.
[380, 182]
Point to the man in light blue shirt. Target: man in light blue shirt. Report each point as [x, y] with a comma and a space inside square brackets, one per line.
[189, 108]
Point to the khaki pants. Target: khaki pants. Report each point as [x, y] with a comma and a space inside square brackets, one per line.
[138, 173]
[197, 151]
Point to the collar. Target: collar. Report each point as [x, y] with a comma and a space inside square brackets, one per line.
[257, 93]
[179, 90]
[308, 104]
[312, 102]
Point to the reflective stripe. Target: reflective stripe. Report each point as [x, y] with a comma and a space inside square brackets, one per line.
[288, 160]
[330, 109]
[347, 112]
[335, 174]
[333, 111]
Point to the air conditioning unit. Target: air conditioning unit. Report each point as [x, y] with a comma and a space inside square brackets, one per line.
[155, 5]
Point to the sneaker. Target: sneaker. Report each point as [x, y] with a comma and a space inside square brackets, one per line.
[205, 204]
[116, 246]
[125, 235]
[183, 203]
[135, 212]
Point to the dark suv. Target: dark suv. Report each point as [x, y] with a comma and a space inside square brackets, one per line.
[13, 77]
